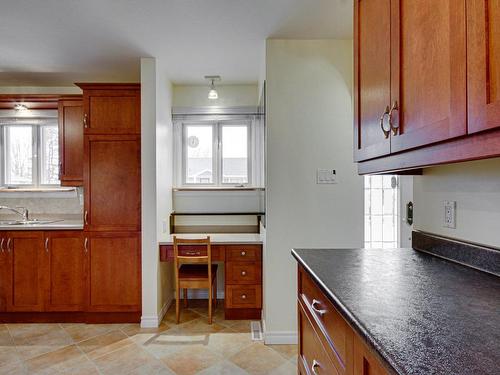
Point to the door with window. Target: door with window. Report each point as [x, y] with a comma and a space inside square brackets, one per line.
[216, 154]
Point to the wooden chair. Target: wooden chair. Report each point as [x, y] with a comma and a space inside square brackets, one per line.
[194, 270]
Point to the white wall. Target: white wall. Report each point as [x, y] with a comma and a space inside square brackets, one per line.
[475, 186]
[229, 95]
[156, 169]
[309, 126]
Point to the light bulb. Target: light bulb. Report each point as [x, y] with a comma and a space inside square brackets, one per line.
[212, 94]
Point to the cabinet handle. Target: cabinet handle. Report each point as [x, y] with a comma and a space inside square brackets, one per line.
[86, 245]
[314, 366]
[243, 253]
[8, 245]
[395, 128]
[316, 309]
[47, 244]
[86, 217]
[1, 245]
[243, 296]
[386, 132]
[85, 121]
[243, 273]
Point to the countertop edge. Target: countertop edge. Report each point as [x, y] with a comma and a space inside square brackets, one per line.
[388, 362]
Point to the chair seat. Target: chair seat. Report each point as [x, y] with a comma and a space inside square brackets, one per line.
[196, 271]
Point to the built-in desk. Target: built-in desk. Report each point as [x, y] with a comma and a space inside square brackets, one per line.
[242, 258]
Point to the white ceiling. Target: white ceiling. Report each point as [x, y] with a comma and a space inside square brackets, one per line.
[57, 42]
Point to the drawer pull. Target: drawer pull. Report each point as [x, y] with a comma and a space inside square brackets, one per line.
[243, 273]
[243, 253]
[193, 253]
[316, 309]
[1, 245]
[47, 244]
[9, 241]
[314, 366]
[243, 296]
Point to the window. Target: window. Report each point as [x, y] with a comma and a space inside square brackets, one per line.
[30, 154]
[381, 212]
[218, 154]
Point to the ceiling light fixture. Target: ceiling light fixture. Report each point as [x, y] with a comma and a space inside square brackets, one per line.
[20, 107]
[213, 94]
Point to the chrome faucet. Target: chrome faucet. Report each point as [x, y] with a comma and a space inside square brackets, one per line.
[23, 211]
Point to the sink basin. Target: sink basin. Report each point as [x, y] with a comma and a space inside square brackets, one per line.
[29, 222]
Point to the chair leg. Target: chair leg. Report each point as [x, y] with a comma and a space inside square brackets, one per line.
[185, 297]
[215, 293]
[209, 305]
[177, 303]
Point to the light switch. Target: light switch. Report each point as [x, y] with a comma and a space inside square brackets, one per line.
[326, 176]
[450, 214]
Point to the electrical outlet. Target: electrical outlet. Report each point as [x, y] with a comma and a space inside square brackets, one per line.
[326, 176]
[164, 226]
[450, 214]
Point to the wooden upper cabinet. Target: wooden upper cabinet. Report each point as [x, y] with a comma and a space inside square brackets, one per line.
[372, 78]
[112, 183]
[71, 142]
[114, 272]
[64, 267]
[111, 108]
[483, 58]
[428, 72]
[25, 281]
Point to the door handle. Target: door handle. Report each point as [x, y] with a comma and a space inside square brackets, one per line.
[314, 303]
[8, 244]
[86, 217]
[85, 121]
[1, 245]
[386, 132]
[47, 245]
[394, 128]
[314, 366]
[86, 245]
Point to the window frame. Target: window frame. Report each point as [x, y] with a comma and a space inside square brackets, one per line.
[217, 151]
[36, 149]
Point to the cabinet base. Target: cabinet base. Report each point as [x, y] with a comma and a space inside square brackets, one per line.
[242, 314]
[70, 317]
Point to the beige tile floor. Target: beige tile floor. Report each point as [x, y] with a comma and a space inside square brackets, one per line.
[192, 347]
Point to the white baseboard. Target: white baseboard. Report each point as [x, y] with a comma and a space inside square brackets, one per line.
[153, 321]
[281, 338]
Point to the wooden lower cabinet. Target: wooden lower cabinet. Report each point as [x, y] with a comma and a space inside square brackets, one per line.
[327, 344]
[65, 265]
[114, 271]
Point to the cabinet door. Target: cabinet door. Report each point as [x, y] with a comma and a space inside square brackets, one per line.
[65, 270]
[114, 272]
[364, 362]
[71, 142]
[112, 183]
[483, 57]
[372, 78]
[25, 250]
[5, 271]
[112, 111]
[428, 72]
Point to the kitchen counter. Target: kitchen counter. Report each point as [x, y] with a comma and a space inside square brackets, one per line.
[422, 314]
[57, 225]
[222, 238]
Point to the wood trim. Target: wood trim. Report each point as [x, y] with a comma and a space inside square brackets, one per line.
[108, 86]
[35, 101]
[472, 147]
[70, 317]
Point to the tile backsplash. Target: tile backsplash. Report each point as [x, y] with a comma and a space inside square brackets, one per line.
[67, 204]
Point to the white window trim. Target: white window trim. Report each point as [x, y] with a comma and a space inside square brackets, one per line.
[255, 146]
[36, 138]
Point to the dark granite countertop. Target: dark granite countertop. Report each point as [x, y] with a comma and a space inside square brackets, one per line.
[422, 314]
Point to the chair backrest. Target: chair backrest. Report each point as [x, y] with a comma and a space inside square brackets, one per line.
[190, 256]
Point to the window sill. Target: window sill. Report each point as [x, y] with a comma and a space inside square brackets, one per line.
[39, 192]
[218, 188]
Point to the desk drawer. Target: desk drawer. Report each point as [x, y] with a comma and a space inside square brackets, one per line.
[243, 296]
[336, 332]
[313, 358]
[244, 253]
[243, 273]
